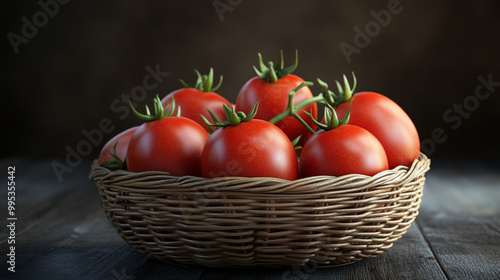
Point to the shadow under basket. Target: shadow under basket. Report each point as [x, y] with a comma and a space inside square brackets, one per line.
[261, 222]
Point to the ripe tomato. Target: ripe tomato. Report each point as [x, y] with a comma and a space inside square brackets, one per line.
[273, 94]
[171, 144]
[387, 121]
[194, 102]
[254, 148]
[198, 100]
[346, 149]
[121, 140]
[166, 143]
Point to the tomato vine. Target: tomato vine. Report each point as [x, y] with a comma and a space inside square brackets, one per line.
[326, 97]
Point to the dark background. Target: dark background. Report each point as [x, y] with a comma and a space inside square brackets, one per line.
[65, 79]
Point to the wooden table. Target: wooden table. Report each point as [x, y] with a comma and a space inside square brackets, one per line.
[61, 232]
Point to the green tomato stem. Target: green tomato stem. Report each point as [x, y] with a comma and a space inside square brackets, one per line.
[273, 77]
[326, 97]
[309, 129]
[159, 111]
[347, 88]
[204, 82]
[233, 118]
[292, 109]
[274, 72]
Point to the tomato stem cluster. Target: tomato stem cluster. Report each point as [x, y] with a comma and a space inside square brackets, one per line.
[327, 97]
[273, 72]
[233, 117]
[159, 111]
[204, 82]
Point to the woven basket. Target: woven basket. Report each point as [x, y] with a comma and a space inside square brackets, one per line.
[261, 222]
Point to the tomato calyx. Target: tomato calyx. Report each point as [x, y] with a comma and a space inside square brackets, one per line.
[116, 163]
[204, 82]
[332, 101]
[273, 72]
[233, 118]
[331, 119]
[344, 94]
[159, 111]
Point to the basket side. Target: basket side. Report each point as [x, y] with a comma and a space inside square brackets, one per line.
[234, 222]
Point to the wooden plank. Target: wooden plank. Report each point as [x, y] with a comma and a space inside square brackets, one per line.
[460, 218]
[63, 233]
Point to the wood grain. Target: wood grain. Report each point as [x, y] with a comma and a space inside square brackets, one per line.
[460, 217]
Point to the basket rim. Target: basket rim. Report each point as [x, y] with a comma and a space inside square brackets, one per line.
[159, 179]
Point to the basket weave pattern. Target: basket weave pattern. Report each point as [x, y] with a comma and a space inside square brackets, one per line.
[261, 222]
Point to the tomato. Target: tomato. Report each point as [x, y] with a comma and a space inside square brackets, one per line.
[387, 121]
[194, 102]
[172, 144]
[273, 94]
[251, 148]
[166, 143]
[121, 140]
[346, 149]
[197, 100]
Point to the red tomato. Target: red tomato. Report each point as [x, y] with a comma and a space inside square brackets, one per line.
[346, 149]
[253, 148]
[194, 102]
[170, 144]
[121, 140]
[388, 122]
[274, 100]
[272, 87]
[199, 99]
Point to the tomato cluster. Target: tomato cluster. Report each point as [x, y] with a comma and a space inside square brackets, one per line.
[203, 134]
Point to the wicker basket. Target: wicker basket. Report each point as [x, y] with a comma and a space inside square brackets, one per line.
[261, 222]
